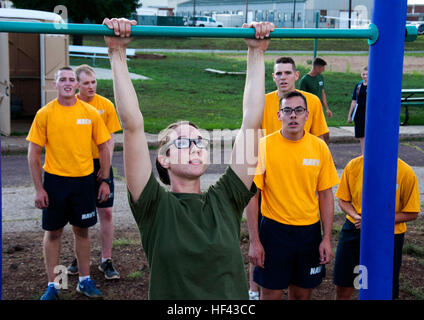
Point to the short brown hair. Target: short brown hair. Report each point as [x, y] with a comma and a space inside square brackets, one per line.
[319, 62]
[286, 60]
[291, 95]
[83, 68]
[61, 69]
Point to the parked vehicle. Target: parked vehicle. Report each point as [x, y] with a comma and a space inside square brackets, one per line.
[421, 28]
[203, 21]
[230, 20]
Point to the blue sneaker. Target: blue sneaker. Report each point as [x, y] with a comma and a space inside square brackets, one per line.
[50, 294]
[88, 287]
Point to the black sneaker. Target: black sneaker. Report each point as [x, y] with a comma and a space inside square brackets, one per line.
[108, 269]
[73, 268]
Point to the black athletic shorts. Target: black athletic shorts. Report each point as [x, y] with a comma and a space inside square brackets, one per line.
[291, 256]
[348, 257]
[109, 202]
[360, 125]
[71, 199]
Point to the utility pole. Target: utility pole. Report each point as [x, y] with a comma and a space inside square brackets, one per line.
[350, 12]
[247, 10]
[294, 12]
[194, 8]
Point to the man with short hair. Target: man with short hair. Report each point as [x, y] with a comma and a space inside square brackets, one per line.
[86, 78]
[66, 127]
[313, 82]
[295, 176]
[285, 75]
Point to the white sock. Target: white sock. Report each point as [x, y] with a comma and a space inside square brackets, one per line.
[105, 259]
[81, 279]
[56, 285]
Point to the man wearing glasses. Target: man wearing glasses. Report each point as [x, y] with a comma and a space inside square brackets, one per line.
[295, 176]
[285, 76]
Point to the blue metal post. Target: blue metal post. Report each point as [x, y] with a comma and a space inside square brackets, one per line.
[1, 222]
[381, 150]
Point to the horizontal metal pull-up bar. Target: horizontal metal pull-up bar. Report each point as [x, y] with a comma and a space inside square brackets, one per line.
[370, 33]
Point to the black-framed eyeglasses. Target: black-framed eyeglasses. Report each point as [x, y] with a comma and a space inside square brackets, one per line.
[287, 111]
[185, 143]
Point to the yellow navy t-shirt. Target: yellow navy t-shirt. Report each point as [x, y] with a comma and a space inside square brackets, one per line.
[289, 174]
[407, 193]
[107, 112]
[67, 133]
[315, 124]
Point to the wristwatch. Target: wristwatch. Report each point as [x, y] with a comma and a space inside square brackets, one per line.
[108, 181]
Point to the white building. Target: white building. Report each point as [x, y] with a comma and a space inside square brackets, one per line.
[286, 13]
[161, 3]
[158, 7]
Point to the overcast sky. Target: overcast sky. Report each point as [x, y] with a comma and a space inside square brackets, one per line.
[415, 1]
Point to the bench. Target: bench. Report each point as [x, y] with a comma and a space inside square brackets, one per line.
[93, 52]
[411, 97]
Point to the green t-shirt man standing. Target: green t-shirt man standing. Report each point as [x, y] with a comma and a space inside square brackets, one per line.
[313, 82]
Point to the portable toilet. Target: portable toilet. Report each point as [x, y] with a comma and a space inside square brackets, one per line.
[28, 63]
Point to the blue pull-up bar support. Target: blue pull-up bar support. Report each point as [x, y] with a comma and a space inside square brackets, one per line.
[381, 149]
[386, 36]
[1, 220]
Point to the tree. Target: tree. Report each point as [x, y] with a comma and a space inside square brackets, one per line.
[81, 10]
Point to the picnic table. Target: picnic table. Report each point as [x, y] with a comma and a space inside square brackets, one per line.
[411, 97]
[93, 52]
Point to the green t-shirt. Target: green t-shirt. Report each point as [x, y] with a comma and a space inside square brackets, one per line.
[313, 85]
[192, 241]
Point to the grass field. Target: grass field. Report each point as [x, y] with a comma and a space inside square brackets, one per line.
[181, 89]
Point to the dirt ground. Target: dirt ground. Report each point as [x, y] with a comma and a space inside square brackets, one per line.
[24, 276]
[335, 63]
[354, 63]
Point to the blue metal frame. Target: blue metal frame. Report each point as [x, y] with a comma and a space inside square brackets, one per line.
[386, 38]
[381, 148]
[1, 222]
